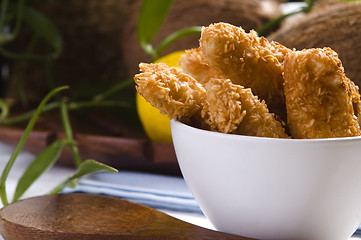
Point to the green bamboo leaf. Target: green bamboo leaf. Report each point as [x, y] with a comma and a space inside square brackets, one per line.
[22, 141]
[86, 167]
[41, 163]
[69, 132]
[174, 37]
[151, 17]
[45, 28]
[4, 108]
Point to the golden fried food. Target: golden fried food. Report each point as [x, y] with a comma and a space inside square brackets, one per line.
[173, 92]
[221, 106]
[356, 101]
[248, 60]
[320, 99]
[194, 64]
[228, 82]
[231, 108]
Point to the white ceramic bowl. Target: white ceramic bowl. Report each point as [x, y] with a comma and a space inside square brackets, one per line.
[268, 188]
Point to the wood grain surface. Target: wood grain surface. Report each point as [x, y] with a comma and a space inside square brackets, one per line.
[88, 216]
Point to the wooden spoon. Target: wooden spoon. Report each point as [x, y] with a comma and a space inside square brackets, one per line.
[88, 216]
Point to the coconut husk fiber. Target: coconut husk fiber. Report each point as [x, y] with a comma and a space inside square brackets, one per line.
[250, 14]
[336, 26]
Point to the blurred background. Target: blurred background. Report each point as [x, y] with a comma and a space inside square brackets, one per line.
[95, 47]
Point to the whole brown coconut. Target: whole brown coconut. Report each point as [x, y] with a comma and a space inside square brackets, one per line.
[250, 14]
[100, 41]
[336, 26]
[91, 32]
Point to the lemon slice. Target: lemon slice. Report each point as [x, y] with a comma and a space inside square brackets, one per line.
[155, 124]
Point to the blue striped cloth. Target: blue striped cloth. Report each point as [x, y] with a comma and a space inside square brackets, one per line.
[153, 190]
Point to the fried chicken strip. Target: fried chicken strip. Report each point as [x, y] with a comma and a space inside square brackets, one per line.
[194, 64]
[356, 101]
[224, 107]
[231, 108]
[319, 97]
[248, 60]
[174, 93]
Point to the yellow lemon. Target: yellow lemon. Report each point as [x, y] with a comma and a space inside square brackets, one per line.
[171, 59]
[155, 124]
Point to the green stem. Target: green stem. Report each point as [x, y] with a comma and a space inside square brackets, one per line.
[4, 110]
[28, 115]
[264, 29]
[310, 4]
[87, 104]
[148, 48]
[4, 7]
[19, 18]
[20, 85]
[175, 36]
[21, 144]
[69, 133]
[71, 106]
[113, 90]
[17, 56]
[267, 27]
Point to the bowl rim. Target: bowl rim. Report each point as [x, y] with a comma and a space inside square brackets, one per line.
[255, 138]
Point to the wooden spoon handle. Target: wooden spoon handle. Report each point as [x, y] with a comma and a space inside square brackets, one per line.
[90, 216]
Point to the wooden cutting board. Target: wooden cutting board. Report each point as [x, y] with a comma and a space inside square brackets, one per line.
[83, 216]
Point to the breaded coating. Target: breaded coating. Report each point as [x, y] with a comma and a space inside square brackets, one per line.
[224, 107]
[248, 60]
[174, 93]
[319, 97]
[231, 108]
[356, 101]
[194, 64]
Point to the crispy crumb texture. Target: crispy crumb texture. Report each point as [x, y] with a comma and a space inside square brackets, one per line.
[319, 97]
[248, 60]
[194, 64]
[231, 108]
[239, 83]
[173, 92]
[220, 105]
